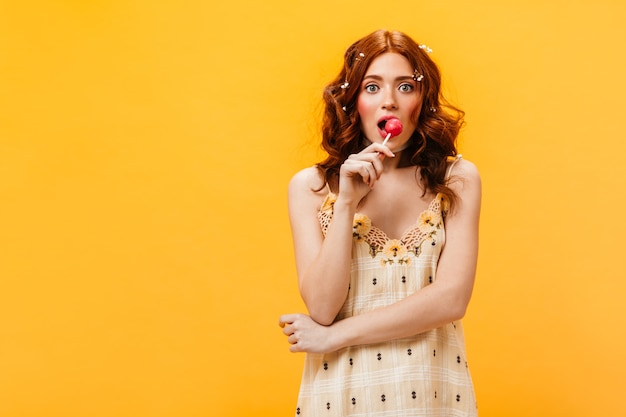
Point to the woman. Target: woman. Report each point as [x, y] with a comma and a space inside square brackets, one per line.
[386, 242]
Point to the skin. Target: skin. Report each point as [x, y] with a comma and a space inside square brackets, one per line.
[388, 89]
[371, 183]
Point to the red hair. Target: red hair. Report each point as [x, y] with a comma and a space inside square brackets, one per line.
[438, 123]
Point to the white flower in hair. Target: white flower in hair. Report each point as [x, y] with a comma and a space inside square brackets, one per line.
[426, 48]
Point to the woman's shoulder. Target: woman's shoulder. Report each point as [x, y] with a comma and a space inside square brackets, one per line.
[464, 178]
[463, 167]
[308, 183]
[307, 178]
[307, 193]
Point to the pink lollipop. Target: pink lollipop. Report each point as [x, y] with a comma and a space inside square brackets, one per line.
[393, 127]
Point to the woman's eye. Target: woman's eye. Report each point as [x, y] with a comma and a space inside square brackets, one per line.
[406, 88]
[371, 88]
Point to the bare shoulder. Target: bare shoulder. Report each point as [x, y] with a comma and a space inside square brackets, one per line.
[307, 180]
[464, 176]
[307, 187]
[466, 183]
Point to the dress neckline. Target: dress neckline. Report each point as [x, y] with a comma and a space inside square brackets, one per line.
[405, 233]
[429, 218]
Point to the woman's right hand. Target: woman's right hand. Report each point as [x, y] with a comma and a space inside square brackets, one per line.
[360, 171]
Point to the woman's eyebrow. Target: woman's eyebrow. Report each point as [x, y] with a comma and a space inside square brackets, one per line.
[380, 78]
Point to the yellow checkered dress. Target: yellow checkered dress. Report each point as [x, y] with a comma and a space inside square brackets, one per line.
[423, 375]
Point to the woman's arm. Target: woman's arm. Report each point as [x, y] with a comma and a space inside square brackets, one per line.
[435, 305]
[323, 262]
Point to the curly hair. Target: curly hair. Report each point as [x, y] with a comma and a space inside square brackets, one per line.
[438, 123]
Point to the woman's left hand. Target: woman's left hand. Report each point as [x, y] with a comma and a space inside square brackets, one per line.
[306, 335]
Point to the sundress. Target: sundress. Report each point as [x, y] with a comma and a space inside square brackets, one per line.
[422, 375]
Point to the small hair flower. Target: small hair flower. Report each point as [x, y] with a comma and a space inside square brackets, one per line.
[417, 76]
[345, 85]
[425, 48]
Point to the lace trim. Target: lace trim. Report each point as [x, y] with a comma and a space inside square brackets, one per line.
[427, 227]
[325, 214]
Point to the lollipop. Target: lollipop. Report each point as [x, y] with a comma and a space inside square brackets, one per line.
[393, 127]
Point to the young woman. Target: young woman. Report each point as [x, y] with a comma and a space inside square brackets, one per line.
[386, 242]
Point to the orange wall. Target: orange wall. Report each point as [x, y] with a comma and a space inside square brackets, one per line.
[145, 150]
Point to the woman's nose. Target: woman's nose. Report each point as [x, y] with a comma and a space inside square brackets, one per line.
[389, 101]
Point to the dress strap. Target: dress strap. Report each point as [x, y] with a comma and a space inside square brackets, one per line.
[449, 173]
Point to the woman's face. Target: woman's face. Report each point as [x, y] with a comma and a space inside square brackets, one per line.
[388, 91]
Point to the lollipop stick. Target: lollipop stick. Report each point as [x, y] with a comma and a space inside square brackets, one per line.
[387, 138]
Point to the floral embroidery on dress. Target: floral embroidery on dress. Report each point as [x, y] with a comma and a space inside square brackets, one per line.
[361, 226]
[429, 224]
[325, 214]
[427, 229]
[429, 219]
[329, 202]
[395, 251]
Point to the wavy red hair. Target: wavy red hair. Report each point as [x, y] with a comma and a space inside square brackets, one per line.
[438, 122]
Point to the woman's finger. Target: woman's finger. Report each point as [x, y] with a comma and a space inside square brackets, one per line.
[378, 148]
[373, 158]
[364, 168]
[286, 319]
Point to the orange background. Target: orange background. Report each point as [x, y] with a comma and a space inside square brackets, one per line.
[145, 151]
